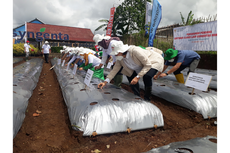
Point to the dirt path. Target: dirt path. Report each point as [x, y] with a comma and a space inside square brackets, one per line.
[51, 131]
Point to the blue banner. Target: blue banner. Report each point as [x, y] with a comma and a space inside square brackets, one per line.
[155, 21]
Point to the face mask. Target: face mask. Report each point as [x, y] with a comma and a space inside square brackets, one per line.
[119, 58]
[171, 60]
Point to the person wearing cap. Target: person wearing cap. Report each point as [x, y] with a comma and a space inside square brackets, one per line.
[46, 50]
[26, 49]
[135, 63]
[79, 60]
[105, 43]
[90, 62]
[180, 59]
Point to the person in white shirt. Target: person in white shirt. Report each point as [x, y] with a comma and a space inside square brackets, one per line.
[105, 43]
[26, 49]
[46, 50]
[91, 61]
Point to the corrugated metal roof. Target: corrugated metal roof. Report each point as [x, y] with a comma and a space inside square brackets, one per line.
[75, 34]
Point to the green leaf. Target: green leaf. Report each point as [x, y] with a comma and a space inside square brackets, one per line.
[42, 29]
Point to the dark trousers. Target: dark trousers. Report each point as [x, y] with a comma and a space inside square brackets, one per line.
[147, 78]
[192, 66]
[46, 58]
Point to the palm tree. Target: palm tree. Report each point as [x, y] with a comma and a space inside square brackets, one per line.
[103, 25]
[190, 20]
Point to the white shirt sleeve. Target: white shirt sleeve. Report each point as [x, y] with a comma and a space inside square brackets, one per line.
[104, 57]
[114, 58]
[90, 58]
[107, 80]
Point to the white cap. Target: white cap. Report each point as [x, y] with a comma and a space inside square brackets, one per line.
[64, 47]
[97, 38]
[46, 42]
[107, 37]
[81, 51]
[118, 47]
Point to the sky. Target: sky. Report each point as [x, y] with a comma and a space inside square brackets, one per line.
[86, 13]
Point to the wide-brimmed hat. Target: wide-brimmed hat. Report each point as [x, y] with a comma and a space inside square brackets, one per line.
[118, 47]
[170, 53]
[97, 38]
[107, 37]
[81, 50]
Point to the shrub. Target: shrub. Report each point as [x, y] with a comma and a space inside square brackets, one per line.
[162, 45]
[18, 49]
[56, 49]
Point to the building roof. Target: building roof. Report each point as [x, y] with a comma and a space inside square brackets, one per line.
[75, 34]
[36, 19]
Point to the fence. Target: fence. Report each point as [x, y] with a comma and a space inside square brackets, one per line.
[164, 35]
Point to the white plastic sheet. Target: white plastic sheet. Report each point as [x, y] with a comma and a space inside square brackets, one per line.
[197, 145]
[107, 110]
[25, 78]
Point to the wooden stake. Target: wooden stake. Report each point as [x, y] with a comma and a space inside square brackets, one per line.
[192, 91]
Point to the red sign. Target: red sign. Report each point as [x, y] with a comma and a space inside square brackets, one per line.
[110, 24]
[96, 47]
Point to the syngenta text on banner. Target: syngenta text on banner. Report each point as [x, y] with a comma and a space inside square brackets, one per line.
[110, 24]
[199, 37]
[148, 16]
[155, 20]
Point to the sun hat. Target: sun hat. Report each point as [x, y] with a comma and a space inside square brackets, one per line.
[98, 38]
[46, 42]
[118, 47]
[76, 50]
[107, 37]
[170, 53]
[64, 47]
[81, 51]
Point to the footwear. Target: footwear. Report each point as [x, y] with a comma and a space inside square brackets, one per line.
[148, 91]
[180, 78]
[136, 89]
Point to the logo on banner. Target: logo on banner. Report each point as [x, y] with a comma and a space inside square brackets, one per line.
[155, 21]
[110, 24]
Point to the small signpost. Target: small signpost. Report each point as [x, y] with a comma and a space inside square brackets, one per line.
[109, 65]
[88, 77]
[63, 63]
[58, 61]
[198, 81]
[68, 66]
[74, 70]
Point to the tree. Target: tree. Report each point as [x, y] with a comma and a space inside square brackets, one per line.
[103, 25]
[190, 20]
[128, 17]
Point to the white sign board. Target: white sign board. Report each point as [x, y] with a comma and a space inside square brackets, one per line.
[58, 61]
[74, 69]
[202, 37]
[88, 77]
[198, 81]
[68, 66]
[109, 65]
[63, 63]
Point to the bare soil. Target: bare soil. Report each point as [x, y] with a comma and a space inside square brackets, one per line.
[51, 132]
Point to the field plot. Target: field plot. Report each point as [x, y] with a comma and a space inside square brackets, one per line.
[52, 130]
